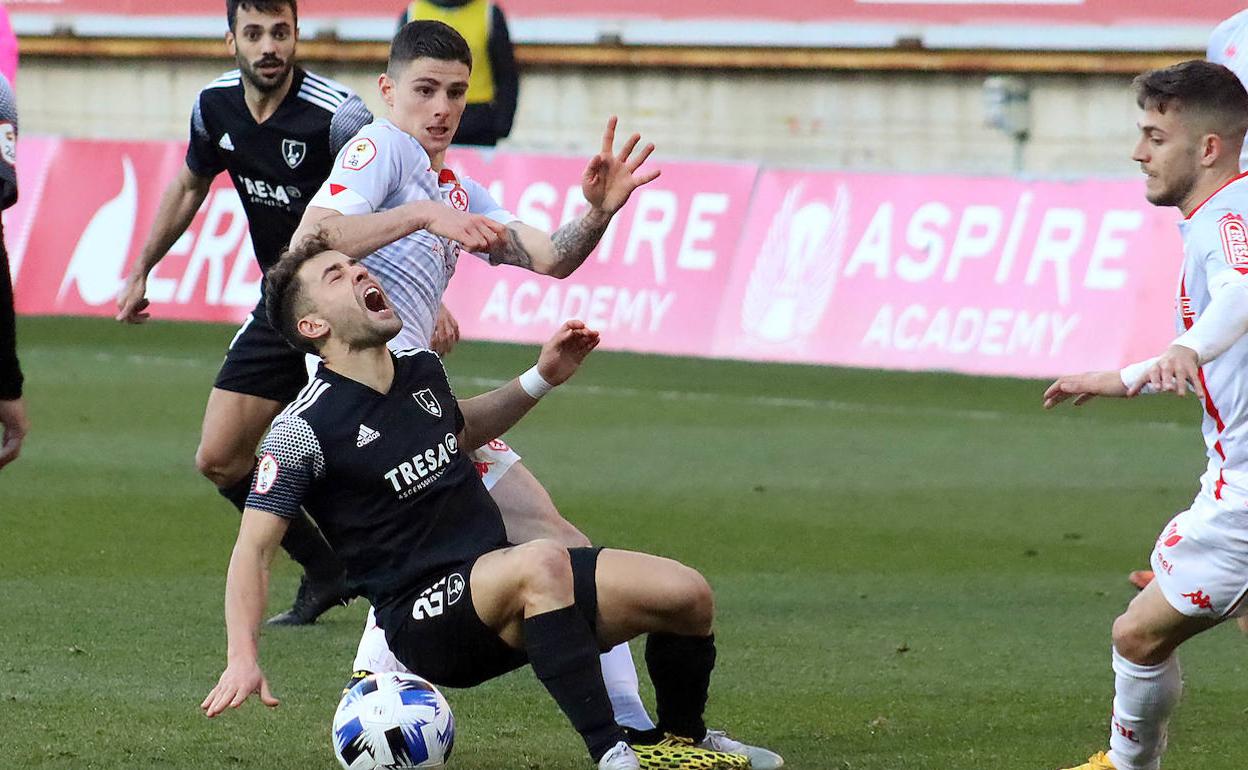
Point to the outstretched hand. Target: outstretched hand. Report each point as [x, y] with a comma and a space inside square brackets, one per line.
[1174, 371]
[563, 353]
[1083, 388]
[236, 685]
[610, 178]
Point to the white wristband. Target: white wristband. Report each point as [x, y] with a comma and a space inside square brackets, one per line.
[533, 383]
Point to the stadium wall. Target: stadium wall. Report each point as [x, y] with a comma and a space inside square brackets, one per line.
[871, 120]
[988, 275]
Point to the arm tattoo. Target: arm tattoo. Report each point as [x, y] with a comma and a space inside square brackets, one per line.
[574, 241]
[512, 252]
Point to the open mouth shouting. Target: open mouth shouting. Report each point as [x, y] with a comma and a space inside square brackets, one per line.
[375, 302]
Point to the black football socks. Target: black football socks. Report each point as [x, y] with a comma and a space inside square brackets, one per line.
[680, 669]
[564, 655]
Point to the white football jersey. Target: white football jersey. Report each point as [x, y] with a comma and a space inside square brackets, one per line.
[381, 168]
[1215, 255]
[1228, 45]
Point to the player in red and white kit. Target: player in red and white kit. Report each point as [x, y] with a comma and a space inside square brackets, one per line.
[1194, 116]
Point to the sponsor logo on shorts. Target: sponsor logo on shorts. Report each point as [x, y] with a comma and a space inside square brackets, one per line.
[483, 468]
[434, 600]
[1171, 537]
[498, 445]
[428, 402]
[1234, 239]
[1199, 599]
[266, 474]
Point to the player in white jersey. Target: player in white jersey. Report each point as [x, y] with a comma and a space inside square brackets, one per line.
[1228, 45]
[1193, 119]
[391, 201]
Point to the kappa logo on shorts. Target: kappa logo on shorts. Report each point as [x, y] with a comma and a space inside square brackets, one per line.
[428, 402]
[434, 600]
[294, 151]
[1199, 599]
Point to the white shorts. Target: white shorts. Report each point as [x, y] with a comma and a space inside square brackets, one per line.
[1201, 561]
[373, 653]
[493, 460]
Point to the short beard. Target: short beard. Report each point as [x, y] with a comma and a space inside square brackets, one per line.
[261, 86]
[1175, 194]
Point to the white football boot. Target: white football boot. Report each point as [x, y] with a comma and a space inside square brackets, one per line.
[760, 758]
[620, 757]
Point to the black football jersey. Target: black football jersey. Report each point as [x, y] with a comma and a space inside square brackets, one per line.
[382, 475]
[278, 165]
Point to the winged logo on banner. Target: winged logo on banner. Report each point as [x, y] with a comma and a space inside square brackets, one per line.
[796, 268]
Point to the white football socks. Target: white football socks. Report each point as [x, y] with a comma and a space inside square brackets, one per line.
[1144, 697]
[620, 675]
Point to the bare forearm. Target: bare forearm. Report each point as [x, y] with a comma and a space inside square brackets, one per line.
[177, 208]
[246, 589]
[358, 235]
[573, 242]
[558, 255]
[492, 414]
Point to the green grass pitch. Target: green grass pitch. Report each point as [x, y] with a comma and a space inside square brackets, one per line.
[913, 571]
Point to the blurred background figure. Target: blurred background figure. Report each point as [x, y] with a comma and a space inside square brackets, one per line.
[8, 48]
[495, 81]
[1228, 46]
[12, 408]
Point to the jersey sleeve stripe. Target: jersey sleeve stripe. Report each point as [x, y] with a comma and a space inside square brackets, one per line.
[308, 396]
[319, 101]
[329, 83]
[405, 352]
[326, 91]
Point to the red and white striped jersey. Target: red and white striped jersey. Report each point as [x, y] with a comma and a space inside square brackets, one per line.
[1215, 255]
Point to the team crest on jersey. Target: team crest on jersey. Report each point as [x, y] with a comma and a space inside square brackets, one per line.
[266, 474]
[1234, 239]
[428, 402]
[359, 154]
[458, 198]
[294, 151]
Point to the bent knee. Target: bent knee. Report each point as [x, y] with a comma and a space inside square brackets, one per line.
[220, 468]
[697, 601]
[1137, 643]
[545, 567]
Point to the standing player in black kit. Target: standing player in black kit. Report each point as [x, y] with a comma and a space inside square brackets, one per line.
[276, 129]
[424, 541]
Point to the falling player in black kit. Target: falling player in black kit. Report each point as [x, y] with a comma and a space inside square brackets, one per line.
[276, 129]
[375, 448]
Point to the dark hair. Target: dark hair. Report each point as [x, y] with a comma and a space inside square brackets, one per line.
[260, 6]
[427, 39]
[284, 301]
[1202, 87]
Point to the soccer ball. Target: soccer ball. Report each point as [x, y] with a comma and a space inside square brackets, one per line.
[393, 721]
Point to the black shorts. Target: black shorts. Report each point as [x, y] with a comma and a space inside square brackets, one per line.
[436, 633]
[261, 363]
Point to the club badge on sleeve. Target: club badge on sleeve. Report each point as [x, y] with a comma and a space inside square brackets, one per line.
[266, 474]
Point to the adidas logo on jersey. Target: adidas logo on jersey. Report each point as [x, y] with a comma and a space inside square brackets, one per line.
[225, 142]
[366, 435]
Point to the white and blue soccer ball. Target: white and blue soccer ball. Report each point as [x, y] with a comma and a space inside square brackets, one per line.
[393, 721]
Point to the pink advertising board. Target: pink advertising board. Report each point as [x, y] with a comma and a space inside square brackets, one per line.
[986, 275]
[973, 274]
[654, 282]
